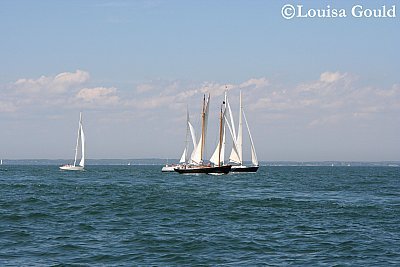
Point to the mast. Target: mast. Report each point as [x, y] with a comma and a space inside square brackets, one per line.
[184, 158]
[77, 139]
[220, 139]
[203, 120]
[240, 131]
[199, 150]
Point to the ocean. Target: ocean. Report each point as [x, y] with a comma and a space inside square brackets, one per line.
[137, 216]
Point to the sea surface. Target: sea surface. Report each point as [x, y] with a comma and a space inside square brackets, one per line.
[138, 216]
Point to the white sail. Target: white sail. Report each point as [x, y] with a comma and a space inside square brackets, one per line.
[214, 157]
[234, 154]
[193, 134]
[184, 154]
[254, 159]
[237, 150]
[230, 116]
[82, 162]
[80, 141]
[198, 152]
[219, 152]
[183, 157]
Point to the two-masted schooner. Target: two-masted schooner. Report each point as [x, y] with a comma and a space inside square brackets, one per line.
[197, 163]
[236, 156]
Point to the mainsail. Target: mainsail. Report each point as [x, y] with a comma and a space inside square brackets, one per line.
[82, 162]
[237, 147]
[219, 154]
[80, 140]
[198, 153]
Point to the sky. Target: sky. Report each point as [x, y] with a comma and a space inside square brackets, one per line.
[314, 88]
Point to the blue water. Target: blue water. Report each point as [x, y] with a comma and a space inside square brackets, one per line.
[136, 215]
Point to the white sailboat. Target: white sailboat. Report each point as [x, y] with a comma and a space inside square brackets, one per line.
[184, 160]
[80, 141]
[236, 156]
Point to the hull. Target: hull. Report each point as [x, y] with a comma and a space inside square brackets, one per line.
[205, 169]
[71, 168]
[244, 169]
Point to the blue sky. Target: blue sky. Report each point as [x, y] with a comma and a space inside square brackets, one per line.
[314, 88]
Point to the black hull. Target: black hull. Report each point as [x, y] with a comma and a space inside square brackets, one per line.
[244, 169]
[205, 169]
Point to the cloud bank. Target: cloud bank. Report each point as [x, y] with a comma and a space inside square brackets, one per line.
[330, 98]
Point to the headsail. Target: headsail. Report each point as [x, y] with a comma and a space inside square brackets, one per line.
[254, 159]
[184, 156]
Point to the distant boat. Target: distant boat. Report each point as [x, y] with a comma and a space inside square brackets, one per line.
[197, 164]
[80, 141]
[1, 162]
[236, 156]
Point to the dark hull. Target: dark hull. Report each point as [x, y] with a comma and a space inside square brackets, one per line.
[244, 169]
[205, 169]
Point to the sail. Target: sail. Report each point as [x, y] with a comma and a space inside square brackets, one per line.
[82, 162]
[78, 138]
[230, 116]
[237, 150]
[254, 159]
[219, 152]
[198, 152]
[193, 134]
[183, 157]
[234, 154]
[214, 157]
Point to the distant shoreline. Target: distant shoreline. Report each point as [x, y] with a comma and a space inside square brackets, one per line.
[157, 161]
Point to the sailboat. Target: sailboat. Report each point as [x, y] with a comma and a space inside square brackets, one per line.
[184, 158]
[197, 164]
[236, 156]
[79, 141]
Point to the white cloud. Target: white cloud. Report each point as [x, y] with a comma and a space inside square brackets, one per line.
[6, 107]
[257, 83]
[330, 77]
[51, 85]
[141, 88]
[99, 95]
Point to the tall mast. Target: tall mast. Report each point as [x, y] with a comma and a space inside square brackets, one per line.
[187, 134]
[203, 120]
[240, 131]
[220, 139]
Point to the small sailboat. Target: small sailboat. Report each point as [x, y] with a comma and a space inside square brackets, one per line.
[236, 156]
[80, 141]
[197, 164]
[184, 158]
